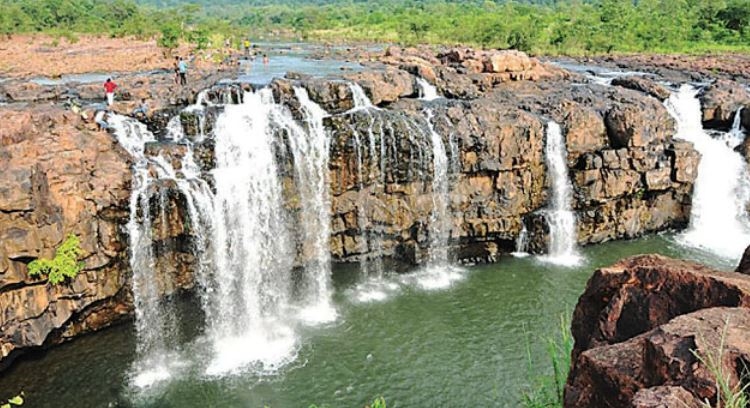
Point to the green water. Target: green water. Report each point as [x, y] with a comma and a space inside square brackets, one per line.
[464, 346]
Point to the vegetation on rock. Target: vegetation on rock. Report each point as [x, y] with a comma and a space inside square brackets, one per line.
[64, 265]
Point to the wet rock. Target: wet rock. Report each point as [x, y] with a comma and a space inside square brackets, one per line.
[642, 84]
[720, 101]
[333, 96]
[386, 86]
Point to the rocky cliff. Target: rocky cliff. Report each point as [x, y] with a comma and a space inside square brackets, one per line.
[630, 177]
[645, 327]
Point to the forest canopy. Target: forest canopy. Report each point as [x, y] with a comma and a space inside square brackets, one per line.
[551, 27]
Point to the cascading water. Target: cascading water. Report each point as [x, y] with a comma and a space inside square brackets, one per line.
[427, 91]
[718, 218]
[439, 218]
[155, 321]
[248, 295]
[361, 101]
[560, 218]
[522, 242]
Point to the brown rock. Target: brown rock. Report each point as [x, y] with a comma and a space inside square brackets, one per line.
[508, 61]
[642, 84]
[665, 397]
[612, 375]
[640, 293]
[385, 86]
[720, 101]
[638, 125]
[744, 266]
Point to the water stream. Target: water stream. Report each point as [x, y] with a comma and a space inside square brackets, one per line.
[559, 215]
[718, 219]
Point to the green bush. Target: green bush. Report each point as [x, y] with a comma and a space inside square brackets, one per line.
[727, 395]
[170, 37]
[64, 265]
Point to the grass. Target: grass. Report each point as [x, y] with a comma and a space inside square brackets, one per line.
[728, 395]
[546, 390]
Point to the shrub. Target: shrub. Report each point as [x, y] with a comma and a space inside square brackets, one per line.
[64, 265]
[727, 395]
[170, 37]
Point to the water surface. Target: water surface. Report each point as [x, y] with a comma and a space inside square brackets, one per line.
[463, 346]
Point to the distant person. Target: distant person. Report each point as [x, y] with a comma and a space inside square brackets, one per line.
[176, 69]
[265, 59]
[247, 47]
[101, 118]
[142, 109]
[182, 69]
[109, 91]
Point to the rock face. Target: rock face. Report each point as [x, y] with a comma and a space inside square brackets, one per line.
[720, 102]
[59, 177]
[641, 326]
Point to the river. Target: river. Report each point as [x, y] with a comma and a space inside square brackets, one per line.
[465, 345]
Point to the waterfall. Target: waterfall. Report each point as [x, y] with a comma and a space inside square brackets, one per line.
[248, 295]
[522, 242]
[718, 218]
[427, 91]
[440, 217]
[560, 218]
[310, 148]
[361, 101]
[155, 321]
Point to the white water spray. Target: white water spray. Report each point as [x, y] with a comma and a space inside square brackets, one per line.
[718, 219]
[427, 91]
[560, 218]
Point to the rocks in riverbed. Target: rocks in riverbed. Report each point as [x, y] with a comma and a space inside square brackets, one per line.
[642, 84]
[720, 101]
[638, 323]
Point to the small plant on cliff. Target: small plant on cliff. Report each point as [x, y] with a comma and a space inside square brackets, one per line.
[727, 395]
[64, 265]
[546, 391]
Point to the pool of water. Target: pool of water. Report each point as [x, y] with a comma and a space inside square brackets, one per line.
[290, 57]
[464, 345]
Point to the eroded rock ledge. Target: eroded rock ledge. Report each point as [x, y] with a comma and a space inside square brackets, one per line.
[641, 322]
[60, 176]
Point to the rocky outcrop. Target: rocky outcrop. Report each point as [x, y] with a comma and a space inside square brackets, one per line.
[642, 84]
[59, 177]
[642, 327]
[744, 266]
[720, 102]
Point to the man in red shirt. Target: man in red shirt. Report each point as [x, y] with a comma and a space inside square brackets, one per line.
[109, 89]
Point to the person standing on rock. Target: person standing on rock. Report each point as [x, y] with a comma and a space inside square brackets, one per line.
[176, 69]
[182, 69]
[109, 91]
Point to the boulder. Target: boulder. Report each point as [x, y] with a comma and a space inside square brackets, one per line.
[720, 102]
[508, 61]
[666, 362]
[333, 96]
[640, 293]
[386, 86]
[642, 84]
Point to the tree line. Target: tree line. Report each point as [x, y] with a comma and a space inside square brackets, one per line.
[542, 26]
